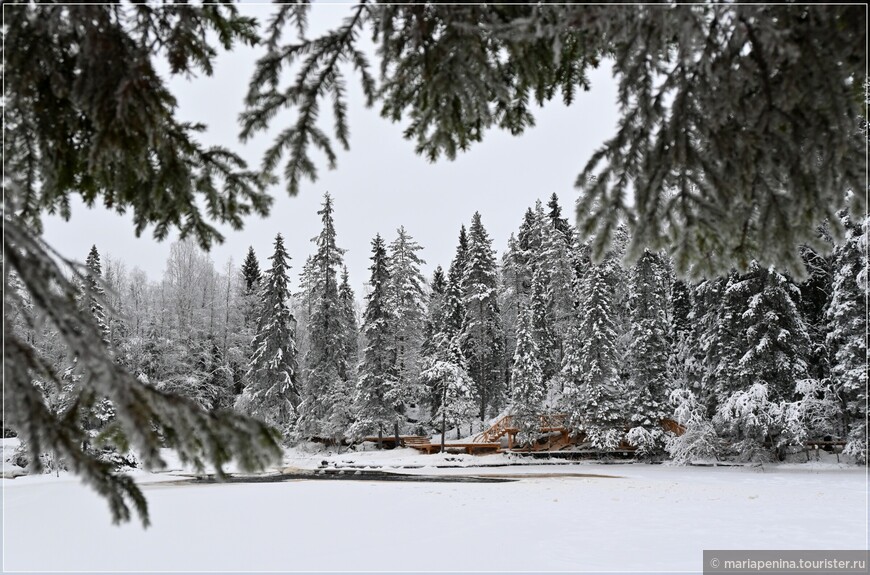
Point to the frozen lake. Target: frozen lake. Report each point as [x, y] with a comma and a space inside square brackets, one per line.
[650, 517]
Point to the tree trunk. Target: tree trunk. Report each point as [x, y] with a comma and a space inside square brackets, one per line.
[443, 414]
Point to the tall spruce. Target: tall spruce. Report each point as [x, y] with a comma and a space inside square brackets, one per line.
[250, 296]
[432, 346]
[543, 319]
[272, 393]
[324, 362]
[93, 292]
[847, 337]
[349, 331]
[454, 301]
[482, 336]
[556, 220]
[511, 300]
[594, 394]
[434, 312]
[529, 244]
[376, 392]
[651, 342]
[558, 260]
[251, 271]
[773, 344]
[815, 299]
[528, 389]
[763, 347]
[408, 295]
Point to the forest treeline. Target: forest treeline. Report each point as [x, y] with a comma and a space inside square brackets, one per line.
[752, 364]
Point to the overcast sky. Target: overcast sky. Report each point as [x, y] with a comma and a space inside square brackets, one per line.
[379, 184]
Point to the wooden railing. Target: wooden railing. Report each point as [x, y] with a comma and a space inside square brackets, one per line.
[496, 431]
[548, 422]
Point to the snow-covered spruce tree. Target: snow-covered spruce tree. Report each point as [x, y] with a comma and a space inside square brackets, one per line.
[847, 336]
[621, 306]
[220, 378]
[350, 330]
[651, 345]
[528, 389]
[686, 357]
[681, 303]
[434, 312]
[375, 399]
[92, 300]
[454, 302]
[407, 295]
[251, 273]
[814, 301]
[430, 348]
[775, 344]
[250, 289]
[543, 319]
[558, 261]
[93, 293]
[482, 338]
[450, 378]
[554, 215]
[594, 396]
[764, 350]
[324, 362]
[717, 332]
[303, 307]
[272, 393]
[510, 298]
[529, 241]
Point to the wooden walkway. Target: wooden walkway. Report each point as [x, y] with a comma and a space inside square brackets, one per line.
[425, 445]
[555, 437]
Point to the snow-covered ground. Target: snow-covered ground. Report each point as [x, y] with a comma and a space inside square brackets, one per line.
[648, 517]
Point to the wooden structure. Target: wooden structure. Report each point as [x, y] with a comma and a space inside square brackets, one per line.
[555, 436]
[474, 448]
[506, 426]
[425, 445]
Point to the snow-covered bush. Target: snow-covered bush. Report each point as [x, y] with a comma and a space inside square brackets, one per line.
[647, 441]
[454, 386]
[699, 440]
[119, 461]
[856, 444]
[752, 422]
[603, 438]
[818, 407]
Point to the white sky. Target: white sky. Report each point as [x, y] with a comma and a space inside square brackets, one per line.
[379, 184]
